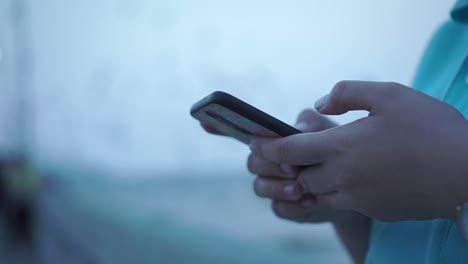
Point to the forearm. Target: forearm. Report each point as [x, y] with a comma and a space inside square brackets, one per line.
[353, 229]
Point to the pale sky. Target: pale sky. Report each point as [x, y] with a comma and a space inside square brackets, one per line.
[115, 79]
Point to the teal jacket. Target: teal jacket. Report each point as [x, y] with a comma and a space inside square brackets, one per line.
[443, 74]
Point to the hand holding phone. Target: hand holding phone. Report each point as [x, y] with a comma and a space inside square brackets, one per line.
[237, 119]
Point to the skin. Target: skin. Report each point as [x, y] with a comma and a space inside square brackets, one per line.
[404, 161]
[291, 202]
[353, 228]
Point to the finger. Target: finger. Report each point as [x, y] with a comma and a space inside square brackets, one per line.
[260, 166]
[278, 189]
[329, 187]
[311, 121]
[208, 128]
[354, 95]
[318, 180]
[307, 209]
[300, 149]
[310, 208]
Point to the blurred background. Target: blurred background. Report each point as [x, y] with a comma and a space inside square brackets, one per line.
[100, 161]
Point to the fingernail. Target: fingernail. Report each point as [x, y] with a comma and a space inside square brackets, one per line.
[307, 203]
[291, 188]
[302, 126]
[322, 101]
[288, 169]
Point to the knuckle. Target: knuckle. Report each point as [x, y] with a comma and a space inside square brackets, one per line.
[339, 90]
[251, 163]
[257, 187]
[283, 151]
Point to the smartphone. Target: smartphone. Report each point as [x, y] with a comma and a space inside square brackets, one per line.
[237, 119]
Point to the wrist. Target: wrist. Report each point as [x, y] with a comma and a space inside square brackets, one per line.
[343, 218]
[353, 229]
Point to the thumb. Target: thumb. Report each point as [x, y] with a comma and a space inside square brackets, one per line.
[351, 95]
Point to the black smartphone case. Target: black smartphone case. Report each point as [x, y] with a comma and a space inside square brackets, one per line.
[235, 118]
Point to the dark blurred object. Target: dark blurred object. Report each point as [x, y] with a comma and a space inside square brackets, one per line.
[3, 195]
[20, 190]
[20, 221]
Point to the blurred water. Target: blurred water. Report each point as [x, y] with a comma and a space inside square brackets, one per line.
[200, 220]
